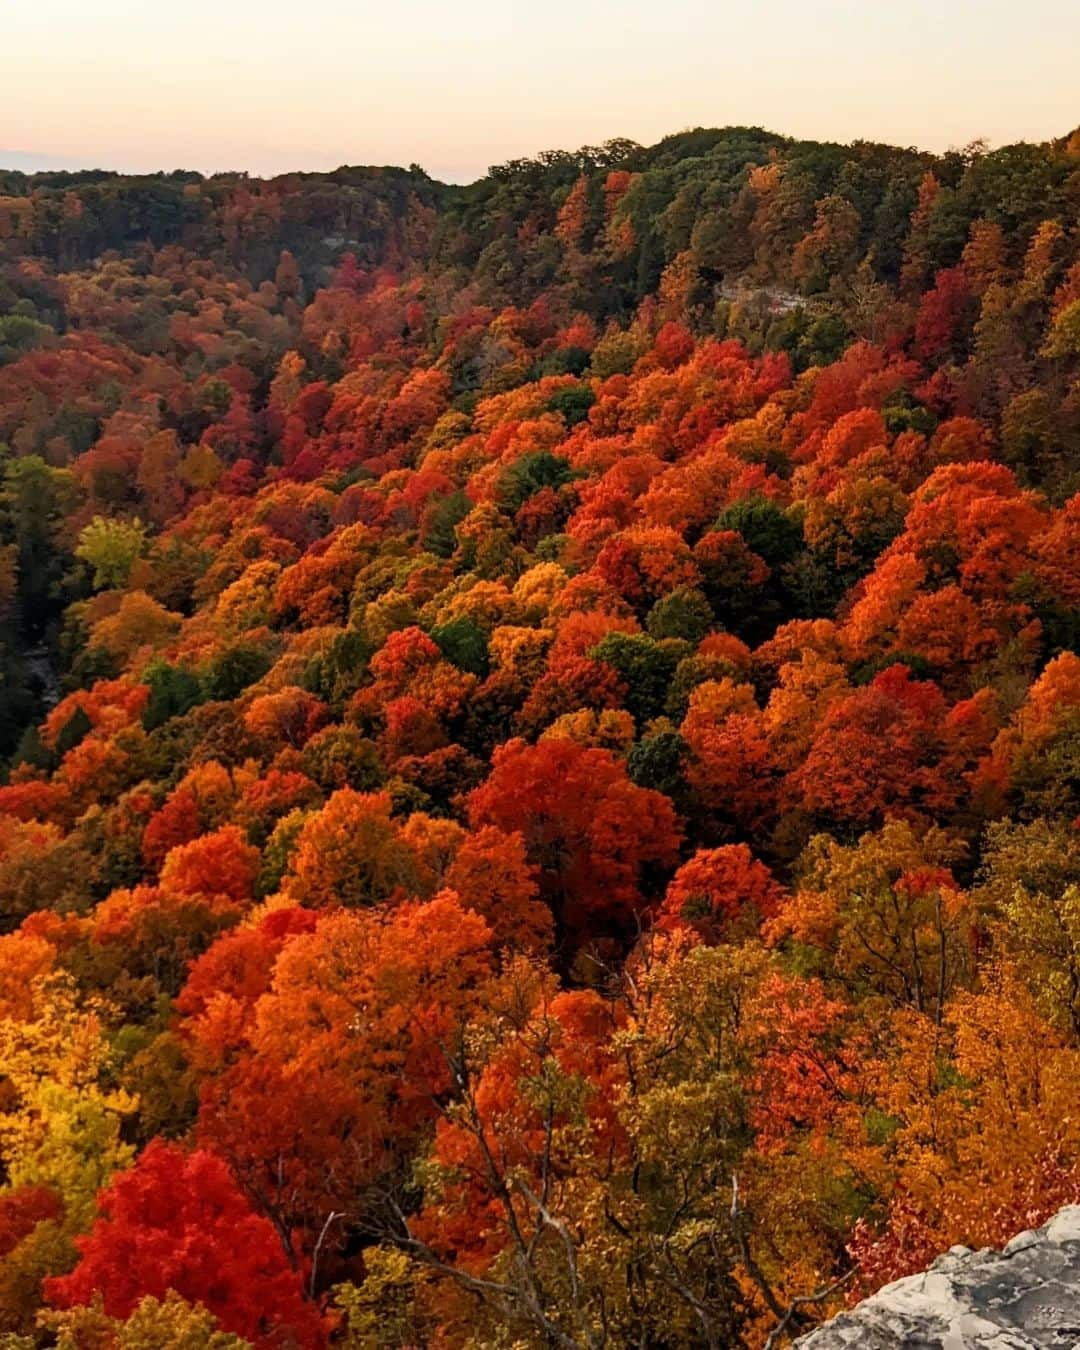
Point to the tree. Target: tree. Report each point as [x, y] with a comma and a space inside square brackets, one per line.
[721, 893]
[111, 546]
[730, 764]
[580, 1188]
[981, 1145]
[219, 865]
[591, 832]
[681, 614]
[945, 315]
[1030, 893]
[645, 667]
[36, 499]
[1064, 337]
[844, 778]
[491, 874]
[61, 1124]
[201, 801]
[885, 917]
[178, 1222]
[351, 853]
[644, 563]
[331, 1071]
[173, 691]
[288, 716]
[170, 1323]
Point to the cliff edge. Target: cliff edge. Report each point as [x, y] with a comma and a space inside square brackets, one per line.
[1025, 1297]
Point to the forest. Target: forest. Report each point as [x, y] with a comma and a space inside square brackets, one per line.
[539, 742]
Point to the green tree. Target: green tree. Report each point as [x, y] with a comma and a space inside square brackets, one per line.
[173, 691]
[34, 501]
[645, 665]
[683, 613]
[111, 547]
[464, 643]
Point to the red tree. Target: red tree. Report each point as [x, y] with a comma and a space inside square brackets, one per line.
[588, 828]
[178, 1221]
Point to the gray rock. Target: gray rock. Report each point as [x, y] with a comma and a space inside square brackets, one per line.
[1025, 1297]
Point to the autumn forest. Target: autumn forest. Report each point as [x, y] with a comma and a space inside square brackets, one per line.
[539, 742]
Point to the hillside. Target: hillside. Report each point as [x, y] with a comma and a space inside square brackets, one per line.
[540, 740]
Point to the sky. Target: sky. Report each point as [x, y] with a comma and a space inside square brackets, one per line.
[458, 85]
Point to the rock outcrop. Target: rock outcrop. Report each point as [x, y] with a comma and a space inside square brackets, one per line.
[1025, 1297]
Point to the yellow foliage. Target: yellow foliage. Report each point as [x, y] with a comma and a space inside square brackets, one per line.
[61, 1127]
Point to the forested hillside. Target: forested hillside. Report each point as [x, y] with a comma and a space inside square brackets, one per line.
[541, 742]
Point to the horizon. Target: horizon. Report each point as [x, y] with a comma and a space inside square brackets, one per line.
[227, 87]
[38, 164]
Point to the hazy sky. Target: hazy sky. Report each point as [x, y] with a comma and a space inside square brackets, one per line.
[269, 85]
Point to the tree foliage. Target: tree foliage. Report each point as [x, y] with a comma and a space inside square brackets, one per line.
[539, 735]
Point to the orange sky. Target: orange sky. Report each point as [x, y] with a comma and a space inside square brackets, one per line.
[267, 86]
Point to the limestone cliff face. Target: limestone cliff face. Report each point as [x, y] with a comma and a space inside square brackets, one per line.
[1025, 1297]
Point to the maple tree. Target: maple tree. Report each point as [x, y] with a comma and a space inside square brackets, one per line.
[178, 1222]
[718, 891]
[586, 826]
[359, 1019]
[350, 853]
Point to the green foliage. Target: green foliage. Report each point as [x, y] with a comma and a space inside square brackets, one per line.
[810, 340]
[766, 528]
[438, 536]
[343, 757]
[464, 643]
[234, 669]
[20, 334]
[279, 851]
[824, 340]
[657, 762]
[73, 731]
[173, 691]
[340, 669]
[565, 361]
[902, 412]
[572, 404]
[865, 671]
[529, 474]
[551, 548]
[616, 353]
[682, 613]
[34, 502]
[111, 547]
[645, 665]
[32, 750]
[1064, 337]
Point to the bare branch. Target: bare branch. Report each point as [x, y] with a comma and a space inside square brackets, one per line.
[318, 1248]
[792, 1313]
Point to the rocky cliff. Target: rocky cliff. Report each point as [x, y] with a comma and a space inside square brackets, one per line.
[1025, 1297]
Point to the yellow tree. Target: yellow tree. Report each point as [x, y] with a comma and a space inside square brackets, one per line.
[59, 1132]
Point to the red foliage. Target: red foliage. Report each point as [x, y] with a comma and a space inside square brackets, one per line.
[21, 1210]
[220, 865]
[846, 777]
[588, 829]
[720, 893]
[178, 1221]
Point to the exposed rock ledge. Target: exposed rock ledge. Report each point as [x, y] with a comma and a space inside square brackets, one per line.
[1025, 1297]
